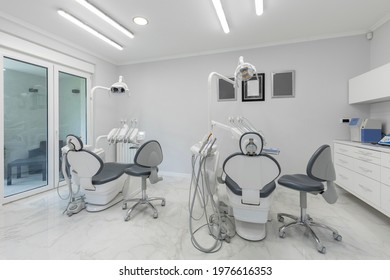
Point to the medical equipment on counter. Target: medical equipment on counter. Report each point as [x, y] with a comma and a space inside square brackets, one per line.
[100, 185]
[365, 130]
[385, 140]
[250, 179]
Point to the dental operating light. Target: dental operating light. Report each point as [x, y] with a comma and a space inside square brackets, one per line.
[259, 5]
[244, 71]
[221, 15]
[106, 18]
[89, 29]
[118, 87]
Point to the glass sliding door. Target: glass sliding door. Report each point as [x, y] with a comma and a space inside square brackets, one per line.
[72, 107]
[25, 121]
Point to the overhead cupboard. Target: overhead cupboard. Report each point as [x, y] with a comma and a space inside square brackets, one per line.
[372, 86]
[364, 170]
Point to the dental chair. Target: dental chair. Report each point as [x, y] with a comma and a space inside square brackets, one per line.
[250, 180]
[146, 161]
[101, 183]
[319, 169]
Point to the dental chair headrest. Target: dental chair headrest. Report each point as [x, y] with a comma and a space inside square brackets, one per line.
[74, 142]
[251, 144]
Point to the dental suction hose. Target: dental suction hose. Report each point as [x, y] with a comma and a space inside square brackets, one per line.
[202, 205]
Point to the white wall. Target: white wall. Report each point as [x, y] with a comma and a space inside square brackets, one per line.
[170, 98]
[380, 55]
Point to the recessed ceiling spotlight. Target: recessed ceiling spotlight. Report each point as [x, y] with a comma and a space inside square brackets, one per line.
[140, 20]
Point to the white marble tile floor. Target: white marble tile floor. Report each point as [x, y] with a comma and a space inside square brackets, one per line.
[35, 229]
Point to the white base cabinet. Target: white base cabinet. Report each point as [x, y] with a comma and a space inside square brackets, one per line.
[364, 170]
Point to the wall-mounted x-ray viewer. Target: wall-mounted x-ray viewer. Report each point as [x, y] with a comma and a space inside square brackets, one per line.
[226, 90]
[283, 84]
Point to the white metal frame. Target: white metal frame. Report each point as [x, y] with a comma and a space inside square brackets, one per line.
[53, 117]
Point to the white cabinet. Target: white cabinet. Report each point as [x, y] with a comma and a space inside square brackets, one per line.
[373, 86]
[364, 171]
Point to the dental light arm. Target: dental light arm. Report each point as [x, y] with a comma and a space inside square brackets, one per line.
[118, 87]
[212, 75]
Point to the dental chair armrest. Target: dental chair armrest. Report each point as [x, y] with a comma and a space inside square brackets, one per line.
[330, 194]
[219, 176]
[154, 178]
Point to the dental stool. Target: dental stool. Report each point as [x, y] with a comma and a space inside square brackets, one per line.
[319, 169]
[146, 160]
[102, 183]
[250, 181]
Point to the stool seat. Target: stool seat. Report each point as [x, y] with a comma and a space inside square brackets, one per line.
[138, 171]
[301, 182]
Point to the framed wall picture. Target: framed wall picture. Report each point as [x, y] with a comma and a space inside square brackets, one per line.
[283, 84]
[226, 91]
[253, 90]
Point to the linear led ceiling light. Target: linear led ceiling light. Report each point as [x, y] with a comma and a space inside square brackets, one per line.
[221, 15]
[82, 25]
[259, 7]
[106, 18]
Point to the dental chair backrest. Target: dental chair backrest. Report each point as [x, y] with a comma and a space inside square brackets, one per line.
[84, 164]
[251, 170]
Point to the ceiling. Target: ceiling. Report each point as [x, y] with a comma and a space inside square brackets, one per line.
[180, 28]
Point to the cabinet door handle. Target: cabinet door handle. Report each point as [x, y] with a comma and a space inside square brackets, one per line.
[364, 188]
[365, 169]
[365, 159]
[343, 176]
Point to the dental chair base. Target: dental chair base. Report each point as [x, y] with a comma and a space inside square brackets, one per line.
[250, 220]
[105, 196]
[250, 182]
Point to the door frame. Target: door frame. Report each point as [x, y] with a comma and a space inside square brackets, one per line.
[52, 118]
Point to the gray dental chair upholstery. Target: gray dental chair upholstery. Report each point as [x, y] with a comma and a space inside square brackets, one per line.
[102, 182]
[146, 161]
[319, 169]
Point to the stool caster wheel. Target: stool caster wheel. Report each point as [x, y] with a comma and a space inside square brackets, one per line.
[163, 203]
[155, 215]
[321, 249]
[337, 236]
[282, 234]
[124, 206]
[280, 219]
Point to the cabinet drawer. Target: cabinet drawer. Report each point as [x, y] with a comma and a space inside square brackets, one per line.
[369, 190]
[385, 159]
[368, 169]
[367, 153]
[345, 161]
[345, 177]
[343, 149]
[385, 175]
[385, 198]
[369, 159]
